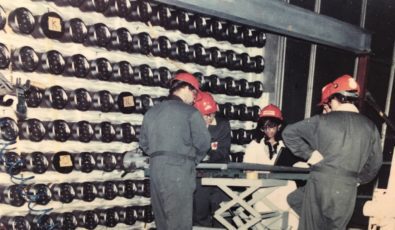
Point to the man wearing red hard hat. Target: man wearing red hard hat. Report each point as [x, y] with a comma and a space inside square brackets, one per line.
[343, 149]
[176, 138]
[207, 199]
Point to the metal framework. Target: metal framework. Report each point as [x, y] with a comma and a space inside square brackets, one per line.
[285, 19]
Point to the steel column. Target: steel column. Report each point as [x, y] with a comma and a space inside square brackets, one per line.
[362, 70]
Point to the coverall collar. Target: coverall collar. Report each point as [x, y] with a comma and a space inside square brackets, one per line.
[347, 107]
[174, 97]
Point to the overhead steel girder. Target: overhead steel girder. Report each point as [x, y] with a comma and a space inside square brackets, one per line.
[285, 19]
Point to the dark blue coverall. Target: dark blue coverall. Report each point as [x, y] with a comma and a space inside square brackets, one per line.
[350, 145]
[176, 138]
[208, 198]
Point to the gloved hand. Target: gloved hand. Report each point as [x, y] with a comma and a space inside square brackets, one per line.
[315, 158]
[301, 164]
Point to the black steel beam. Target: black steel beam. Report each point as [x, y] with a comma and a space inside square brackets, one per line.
[280, 17]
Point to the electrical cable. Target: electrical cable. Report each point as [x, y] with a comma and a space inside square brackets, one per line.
[21, 182]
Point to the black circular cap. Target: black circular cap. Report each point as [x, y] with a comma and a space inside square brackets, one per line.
[52, 25]
[99, 34]
[105, 132]
[3, 18]
[161, 46]
[82, 131]
[39, 193]
[101, 69]
[123, 71]
[63, 162]
[53, 62]
[59, 130]
[87, 219]
[106, 161]
[25, 58]
[108, 217]
[34, 97]
[126, 189]
[86, 191]
[130, 214]
[107, 190]
[63, 192]
[36, 162]
[125, 102]
[13, 195]
[4, 56]
[78, 66]
[11, 163]
[41, 222]
[67, 220]
[122, 39]
[17, 222]
[125, 132]
[81, 99]
[8, 129]
[85, 162]
[56, 97]
[75, 30]
[101, 5]
[22, 20]
[32, 129]
[103, 100]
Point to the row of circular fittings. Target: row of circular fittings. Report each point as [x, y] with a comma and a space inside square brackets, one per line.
[18, 194]
[85, 162]
[88, 219]
[28, 60]
[22, 21]
[83, 100]
[60, 130]
[82, 131]
[171, 18]
[125, 102]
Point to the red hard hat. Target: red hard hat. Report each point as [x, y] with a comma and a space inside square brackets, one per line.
[271, 111]
[325, 93]
[188, 78]
[205, 103]
[344, 85]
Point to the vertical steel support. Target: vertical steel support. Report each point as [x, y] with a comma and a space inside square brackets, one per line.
[280, 67]
[312, 62]
[362, 70]
[362, 25]
[389, 96]
[281, 54]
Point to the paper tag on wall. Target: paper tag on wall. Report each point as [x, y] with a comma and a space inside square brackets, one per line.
[65, 161]
[128, 101]
[54, 24]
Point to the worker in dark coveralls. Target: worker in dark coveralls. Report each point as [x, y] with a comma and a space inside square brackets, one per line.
[176, 138]
[343, 149]
[207, 199]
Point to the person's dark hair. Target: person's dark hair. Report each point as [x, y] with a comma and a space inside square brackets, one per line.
[176, 85]
[266, 122]
[344, 99]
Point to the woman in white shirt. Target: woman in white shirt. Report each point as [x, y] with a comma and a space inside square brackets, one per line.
[268, 148]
